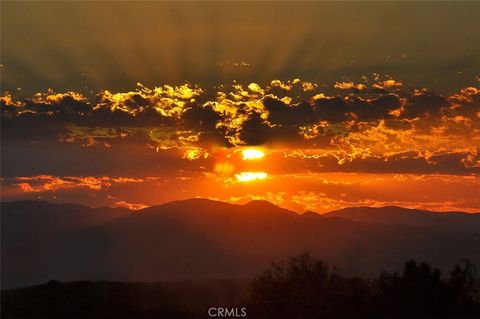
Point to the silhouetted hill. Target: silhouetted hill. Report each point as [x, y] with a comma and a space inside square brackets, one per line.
[299, 287]
[412, 217]
[310, 214]
[204, 239]
[45, 214]
[105, 299]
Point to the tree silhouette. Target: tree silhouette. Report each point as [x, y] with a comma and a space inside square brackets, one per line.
[463, 290]
[418, 292]
[305, 288]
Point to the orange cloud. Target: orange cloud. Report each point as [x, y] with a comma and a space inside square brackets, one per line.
[132, 206]
[349, 86]
[387, 84]
[45, 183]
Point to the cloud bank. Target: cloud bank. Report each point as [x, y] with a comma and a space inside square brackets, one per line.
[380, 124]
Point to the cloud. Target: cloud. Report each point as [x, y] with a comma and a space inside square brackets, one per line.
[281, 113]
[387, 84]
[424, 103]
[44, 183]
[355, 129]
[350, 86]
[132, 206]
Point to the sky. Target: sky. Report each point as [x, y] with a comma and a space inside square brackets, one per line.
[310, 105]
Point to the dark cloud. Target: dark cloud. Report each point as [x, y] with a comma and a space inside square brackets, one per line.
[374, 109]
[332, 109]
[284, 114]
[422, 103]
[202, 118]
[255, 130]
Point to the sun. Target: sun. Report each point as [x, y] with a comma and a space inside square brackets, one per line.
[250, 176]
[252, 154]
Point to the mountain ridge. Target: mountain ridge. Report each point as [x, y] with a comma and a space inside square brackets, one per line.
[255, 201]
[403, 208]
[198, 207]
[407, 216]
[205, 239]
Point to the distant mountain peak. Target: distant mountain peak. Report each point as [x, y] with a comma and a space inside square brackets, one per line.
[194, 200]
[309, 213]
[261, 203]
[264, 206]
[189, 205]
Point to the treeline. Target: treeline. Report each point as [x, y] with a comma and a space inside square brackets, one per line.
[300, 287]
[306, 288]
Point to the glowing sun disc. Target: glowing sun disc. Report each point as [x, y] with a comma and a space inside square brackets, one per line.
[250, 176]
[251, 154]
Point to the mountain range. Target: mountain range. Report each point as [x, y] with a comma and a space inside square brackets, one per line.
[412, 217]
[200, 239]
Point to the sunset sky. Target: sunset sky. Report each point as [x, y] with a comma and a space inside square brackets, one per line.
[311, 105]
